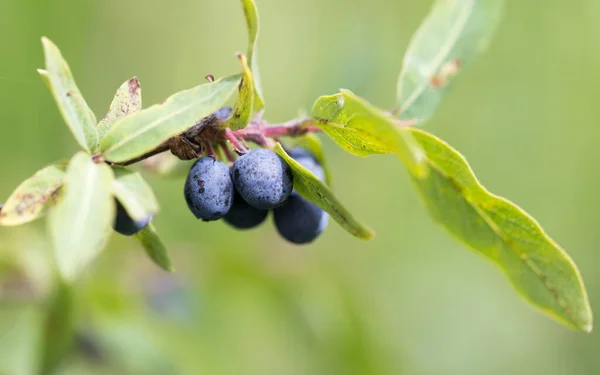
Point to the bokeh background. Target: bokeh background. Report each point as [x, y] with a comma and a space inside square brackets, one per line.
[412, 301]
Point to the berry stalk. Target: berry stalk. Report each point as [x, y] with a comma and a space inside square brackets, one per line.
[258, 131]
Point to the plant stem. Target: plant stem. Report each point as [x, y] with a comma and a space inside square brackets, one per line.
[228, 154]
[160, 149]
[259, 132]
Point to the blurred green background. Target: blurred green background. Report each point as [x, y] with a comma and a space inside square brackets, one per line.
[412, 301]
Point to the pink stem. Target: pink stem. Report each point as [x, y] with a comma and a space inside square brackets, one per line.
[235, 142]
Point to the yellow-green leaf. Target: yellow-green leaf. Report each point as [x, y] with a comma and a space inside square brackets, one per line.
[313, 189]
[363, 130]
[252, 22]
[451, 37]
[138, 133]
[134, 193]
[32, 199]
[77, 114]
[154, 247]
[244, 106]
[127, 100]
[81, 223]
[312, 143]
[495, 227]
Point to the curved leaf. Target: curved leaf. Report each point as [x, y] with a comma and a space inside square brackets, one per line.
[128, 99]
[310, 187]
[75, 111]
[244, 106]
[495, 227]
[154, 247]
[452, 35]
[312, 143]
[363, 130]
[81, 223]
[138, 133]
[252, 22]
[134, 193]
[32, 199]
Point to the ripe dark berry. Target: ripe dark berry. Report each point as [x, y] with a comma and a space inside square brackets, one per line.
[262, 178]
[300, 152]
[208, 189]
[223, 113]
[125, 225]
[243, 216]
[308, 161]
[299, 220]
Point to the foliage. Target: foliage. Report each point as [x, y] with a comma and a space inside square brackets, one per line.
[79, 195]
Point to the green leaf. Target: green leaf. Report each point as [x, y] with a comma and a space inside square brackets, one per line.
[138, 133]
[252, 22]
[81, 223]
[452, 35]
[32, 199]
[59, 327]
[244, 106]
[128, 99]
[154, 247]
[79, 117]
[21, 327]
[168, 165]
[310, 187]
[134, 193]
[495, 227]
[312, 143]
[363, 130]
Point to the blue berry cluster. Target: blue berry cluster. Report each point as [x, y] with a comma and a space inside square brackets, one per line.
[258, 182]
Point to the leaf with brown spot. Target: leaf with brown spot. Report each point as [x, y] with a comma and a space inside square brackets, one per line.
[539, 269]
[128, 99]
[32, 199]
[454, 33]
[134, 135]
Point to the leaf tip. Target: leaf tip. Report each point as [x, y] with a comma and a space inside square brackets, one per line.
[369, 235]
[47, 44]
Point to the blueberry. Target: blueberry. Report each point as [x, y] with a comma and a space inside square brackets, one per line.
[223, 113]
[300, 152]
[262, 178]
[244, 216]
[208, 189]
[308, 161]
[125, 225]
[299, 220]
